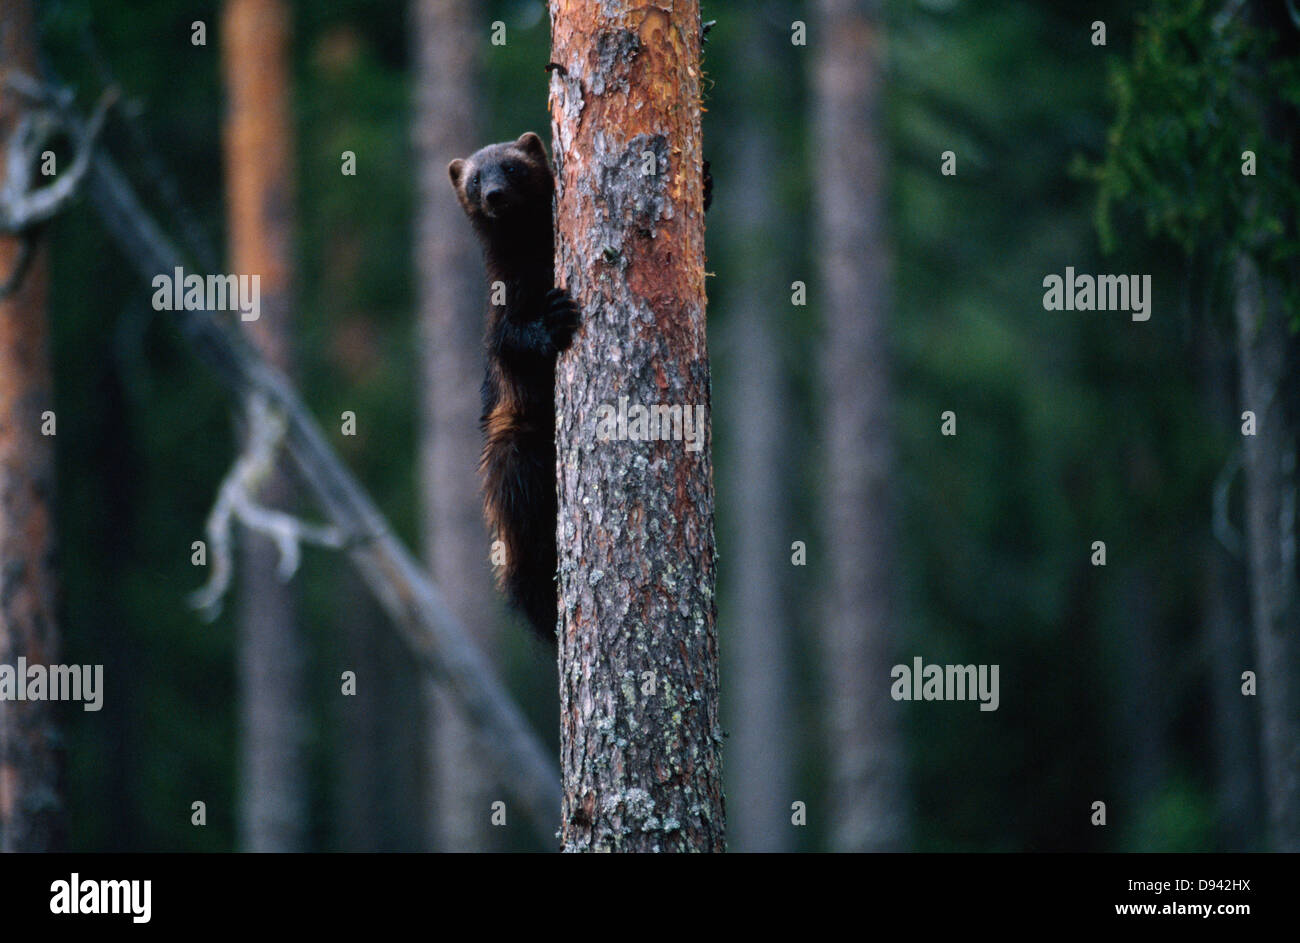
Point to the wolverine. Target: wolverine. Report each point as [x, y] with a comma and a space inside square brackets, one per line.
[506, 191]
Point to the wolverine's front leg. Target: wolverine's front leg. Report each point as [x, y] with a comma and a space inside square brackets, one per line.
[547, 334]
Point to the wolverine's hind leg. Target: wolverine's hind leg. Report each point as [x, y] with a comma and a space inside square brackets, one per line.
[518, 468]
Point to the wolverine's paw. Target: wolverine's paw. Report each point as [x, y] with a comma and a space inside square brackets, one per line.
[708, 187]
[561, 318]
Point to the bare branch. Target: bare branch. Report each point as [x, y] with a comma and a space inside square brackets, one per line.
[23, 204]
[237, 501]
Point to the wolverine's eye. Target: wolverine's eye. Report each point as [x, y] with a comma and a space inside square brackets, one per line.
[510, 169]
[474, 183]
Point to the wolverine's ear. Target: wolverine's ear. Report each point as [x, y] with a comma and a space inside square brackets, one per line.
[530, 143]
[454, 170]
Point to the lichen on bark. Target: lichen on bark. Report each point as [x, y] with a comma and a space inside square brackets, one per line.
[640, 740]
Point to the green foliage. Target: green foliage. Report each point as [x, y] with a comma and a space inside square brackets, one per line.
[1176, 819]
[1195, 96]
[1070, 429]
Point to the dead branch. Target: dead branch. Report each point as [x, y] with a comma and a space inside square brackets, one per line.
[23, 204]
[237, 501]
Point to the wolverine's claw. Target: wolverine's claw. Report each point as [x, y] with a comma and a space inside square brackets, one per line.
[562, 317]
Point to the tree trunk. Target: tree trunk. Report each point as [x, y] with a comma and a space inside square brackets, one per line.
[1267, 356]
[449, 276]
[867, 766]
[639, 733]
[259, 155]
[760, 757]
[31, 809]
[380, 786]
[1226, 620]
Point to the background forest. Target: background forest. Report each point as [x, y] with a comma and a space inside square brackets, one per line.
[1119, 683]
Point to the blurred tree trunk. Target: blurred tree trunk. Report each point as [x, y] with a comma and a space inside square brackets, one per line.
[259, 169]
[1267, 357]
[380, 784]
[449, 276]
[1266, 351]
[639, 733]
[866, 785]
[1226, 614]
[360, 722]
[31, 808]
[760, 753]
[1227, 621]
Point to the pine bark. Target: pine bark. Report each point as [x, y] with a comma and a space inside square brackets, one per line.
[450, 282]
[866, 786]
[639, 733]
[259, 155]
[31, 807]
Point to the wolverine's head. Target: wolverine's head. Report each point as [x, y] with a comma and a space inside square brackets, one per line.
[502, 181]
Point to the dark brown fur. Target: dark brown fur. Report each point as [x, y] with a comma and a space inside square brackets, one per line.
[506, 191]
